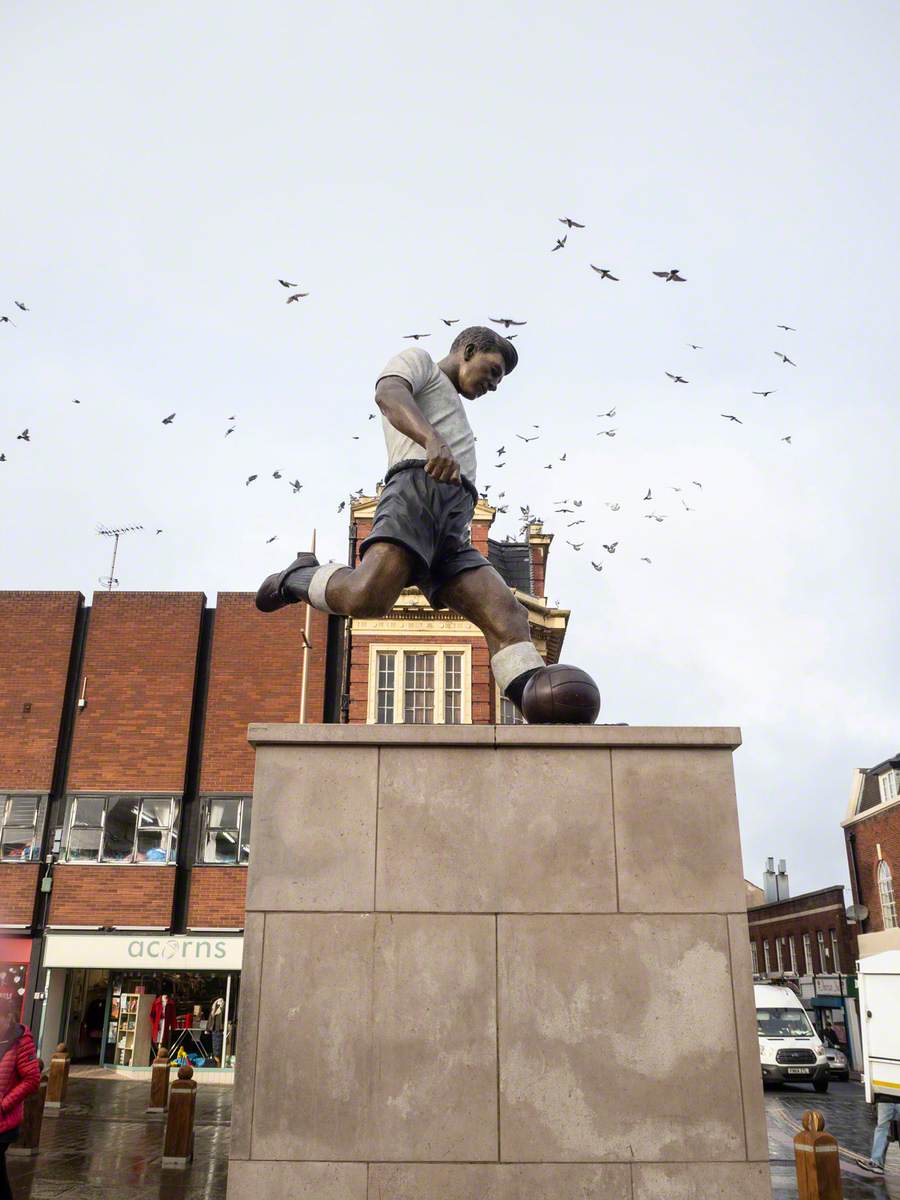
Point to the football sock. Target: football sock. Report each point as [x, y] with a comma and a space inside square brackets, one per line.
[513, 666]
[310, 583]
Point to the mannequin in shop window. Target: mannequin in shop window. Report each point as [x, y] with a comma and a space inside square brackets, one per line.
[216, 1026]
[162, 1022]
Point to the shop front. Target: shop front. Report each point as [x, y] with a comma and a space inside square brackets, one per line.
[114, 999]
[15, 955]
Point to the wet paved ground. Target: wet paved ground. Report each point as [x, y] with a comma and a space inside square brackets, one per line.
[104, 1147]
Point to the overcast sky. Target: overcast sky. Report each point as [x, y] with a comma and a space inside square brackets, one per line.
[164, 165]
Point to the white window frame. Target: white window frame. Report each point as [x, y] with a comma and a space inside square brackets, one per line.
[886, 895]
[793, 954]
[807, 953]
[823, 951]
[889, 785]
[778, 955]
[766, 961]
[498, 708]
[754, 958]
[39, 800]
[171, 838]
[835, 955]
[438, 650]
[245, 811]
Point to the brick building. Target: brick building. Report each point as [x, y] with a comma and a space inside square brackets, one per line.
[872, 837]
[126, 779]
[808, 941]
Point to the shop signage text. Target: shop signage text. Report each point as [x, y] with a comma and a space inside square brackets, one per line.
[144, 951]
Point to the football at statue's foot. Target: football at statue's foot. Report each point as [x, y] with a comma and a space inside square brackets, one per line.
[560, 695]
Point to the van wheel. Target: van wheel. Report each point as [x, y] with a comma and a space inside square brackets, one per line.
[821, 1085]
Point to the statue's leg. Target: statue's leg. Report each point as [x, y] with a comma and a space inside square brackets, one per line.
[482, 597]
[372, 588]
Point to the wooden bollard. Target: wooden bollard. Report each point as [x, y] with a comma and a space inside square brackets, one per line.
[29, 1139]
[178, 1147]
[818, 1161]
[159, 1082]
[58, 1079]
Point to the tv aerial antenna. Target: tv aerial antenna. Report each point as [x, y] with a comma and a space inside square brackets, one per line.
[109, 581]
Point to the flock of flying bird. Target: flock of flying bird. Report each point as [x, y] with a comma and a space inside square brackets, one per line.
[669, 275]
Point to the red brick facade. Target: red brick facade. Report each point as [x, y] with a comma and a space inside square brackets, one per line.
[111, 895]
[879, 827]
[255, 675]
[139, 667]
[217, 898]
[18, 882]
[811, 913]
[36, 630]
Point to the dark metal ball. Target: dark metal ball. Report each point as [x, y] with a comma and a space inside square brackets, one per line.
[561, 695]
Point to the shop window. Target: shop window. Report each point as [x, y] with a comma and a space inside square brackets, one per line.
[122, 829]
[225, 832]
[419, 685]
[886, 896]
[21, 819]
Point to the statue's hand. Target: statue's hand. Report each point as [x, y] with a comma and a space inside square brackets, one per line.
[440, 463]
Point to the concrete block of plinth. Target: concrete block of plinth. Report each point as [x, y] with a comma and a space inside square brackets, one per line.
[496, 964]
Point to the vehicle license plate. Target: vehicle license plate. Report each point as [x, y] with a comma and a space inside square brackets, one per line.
[798, 1070]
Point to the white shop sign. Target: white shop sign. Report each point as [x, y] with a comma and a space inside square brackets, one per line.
[143, 951]
[828, 987]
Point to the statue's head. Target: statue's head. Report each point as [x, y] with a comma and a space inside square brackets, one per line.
[482, 358]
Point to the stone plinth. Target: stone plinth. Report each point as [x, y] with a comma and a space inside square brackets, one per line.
[496, 963]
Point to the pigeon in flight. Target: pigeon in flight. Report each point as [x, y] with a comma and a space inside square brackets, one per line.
[685, 505]
[676, 378]
[693, 346]
[527, 439]
[563, 459]
[786, 328]
[76, 401]
[24, 436]
[227, 431]
[571, 224]
[787, 439]
[506, 321]
[499, 466]
[450, 320]
[649, 495]
[296, 485]
[784, 358]
[611, 413]
[696, 483]
[770, 392]
[19, 304]
[169, 419]
[8, 322]
[611, 548]
[276, 474]
[284, 283]
[575, 545]
[502, 450]
[672, 276]
[270, 540]
[606, 432]
[578, 503]
[605, 273]
[2, 458]
[158, 532]
[549, 467]
[596, 566]
[646, 560]
[564, 510]
[342, 506]
[416, 336]
[729, 417]
[560, 243]
[612, 506]
[580, 521]
[673, 488]
[371, 416]
[510, 336]
[250, 480]
[296, 296]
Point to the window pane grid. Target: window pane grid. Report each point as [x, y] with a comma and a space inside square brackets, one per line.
[452, 689]
[385, 685]
[418, 699]
[224, 819]
[886, 895]
[18, 822]
[122, 829]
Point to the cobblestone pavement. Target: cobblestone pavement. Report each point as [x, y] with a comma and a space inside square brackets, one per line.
[103, 1146]
[849, 1119]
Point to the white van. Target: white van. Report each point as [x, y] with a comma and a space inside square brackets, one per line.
[879, 1002]
[789, 1047]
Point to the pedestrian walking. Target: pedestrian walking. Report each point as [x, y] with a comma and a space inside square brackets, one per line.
[20, 1075]
[887, 1113]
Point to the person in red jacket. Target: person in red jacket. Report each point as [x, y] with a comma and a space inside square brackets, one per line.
[20, 1075]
